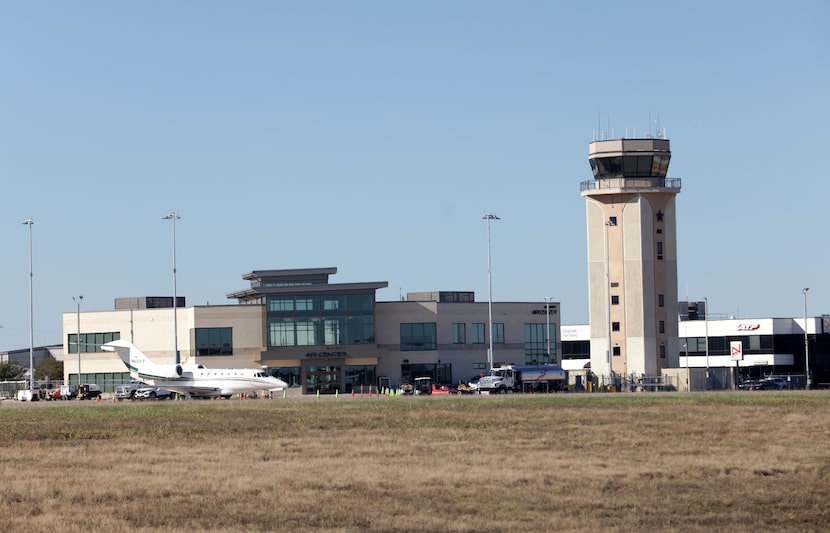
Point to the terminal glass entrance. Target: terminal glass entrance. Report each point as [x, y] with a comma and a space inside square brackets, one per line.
[322, 379]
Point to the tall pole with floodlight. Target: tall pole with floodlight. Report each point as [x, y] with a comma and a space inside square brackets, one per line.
[547, 329]
[706, 328]
[29, 223]
[174, 217]
[488, 217]
[806, 342]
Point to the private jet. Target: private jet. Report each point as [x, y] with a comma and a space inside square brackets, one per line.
[193, 380]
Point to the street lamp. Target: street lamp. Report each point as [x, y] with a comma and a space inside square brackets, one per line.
[706, 327]
[174, 217]
[488, 217]
[29, 223]
[547, 330]
[608, 223]
[806, 343]
[78, 338]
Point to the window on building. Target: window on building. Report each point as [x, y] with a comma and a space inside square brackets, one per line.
[576, 349]
[694, 345]
[659, 249]
[662, 326]
[305, 333]
[91, 342]
[615, 300]
[718, 346]
[360, 329]
[459, 333]
[214, 341]
[281, 304]
[660, 301]
[662, 351]
[361, 302]
[418, 336]
[617, 351]
[498, 333]
[305, 320]
[478, 333]
[615, 326]
[304, 304]
[540, 348]
[281, 333]
[332, 331]
[331, 303]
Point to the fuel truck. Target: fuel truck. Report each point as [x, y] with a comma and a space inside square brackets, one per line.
[524, 378]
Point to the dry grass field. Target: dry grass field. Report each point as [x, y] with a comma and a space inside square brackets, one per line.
[669, 462]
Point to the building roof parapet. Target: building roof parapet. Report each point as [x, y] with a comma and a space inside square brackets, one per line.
[617, 147]
[328, 288]
[290, 273]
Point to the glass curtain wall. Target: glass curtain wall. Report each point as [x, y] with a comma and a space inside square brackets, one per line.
[324, 320]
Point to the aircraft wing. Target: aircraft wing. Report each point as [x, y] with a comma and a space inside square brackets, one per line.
[192, 390]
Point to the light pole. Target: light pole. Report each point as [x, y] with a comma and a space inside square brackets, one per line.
[488, 217]
[78, 338]
[29, 223]
[686, 347]
[806, 343]
[706, 327]
[174, 217]
[608, 356]
[547, 330]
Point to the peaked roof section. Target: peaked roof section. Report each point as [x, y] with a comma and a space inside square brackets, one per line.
[298, 281]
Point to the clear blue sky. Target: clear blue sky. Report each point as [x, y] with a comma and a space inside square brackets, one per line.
[373, 136]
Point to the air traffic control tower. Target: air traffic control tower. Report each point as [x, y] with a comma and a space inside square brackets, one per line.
[632, 257]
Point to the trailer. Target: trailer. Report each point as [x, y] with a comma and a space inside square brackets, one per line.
[524, 378]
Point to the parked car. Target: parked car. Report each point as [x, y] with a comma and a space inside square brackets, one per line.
[781, 383]
[152, 393]
[126, 392]
[772, 384]
[748, 384]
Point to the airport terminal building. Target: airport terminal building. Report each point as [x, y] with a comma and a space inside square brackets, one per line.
[316, 335]
[325, 337]
[337, 338]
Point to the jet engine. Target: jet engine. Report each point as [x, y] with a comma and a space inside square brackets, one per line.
[168, 371]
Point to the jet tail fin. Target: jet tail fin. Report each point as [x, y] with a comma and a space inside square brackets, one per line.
[139, 364]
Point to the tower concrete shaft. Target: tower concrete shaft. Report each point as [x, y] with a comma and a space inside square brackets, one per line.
[632, 257]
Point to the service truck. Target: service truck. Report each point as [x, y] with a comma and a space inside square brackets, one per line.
[524, 378]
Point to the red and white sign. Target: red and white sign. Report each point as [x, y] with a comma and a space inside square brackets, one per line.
[748, 327]
[736, 349]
